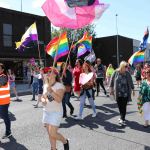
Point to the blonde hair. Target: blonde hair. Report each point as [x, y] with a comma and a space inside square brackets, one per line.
[122, 65]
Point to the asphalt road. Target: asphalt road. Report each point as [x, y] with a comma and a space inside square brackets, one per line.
[100, 133]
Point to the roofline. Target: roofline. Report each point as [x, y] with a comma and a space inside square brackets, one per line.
[113, 36]
[19, 12]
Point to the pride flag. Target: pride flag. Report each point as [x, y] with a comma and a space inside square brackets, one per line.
[137, 57]
[143, 45]
[87, 41]
[29, 36]
[81, 50]
[60, 43]
[59, 65]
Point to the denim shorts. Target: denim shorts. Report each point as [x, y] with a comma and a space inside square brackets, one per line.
[52, 118]
[12, 85]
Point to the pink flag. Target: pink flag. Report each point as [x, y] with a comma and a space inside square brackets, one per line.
[61, 15]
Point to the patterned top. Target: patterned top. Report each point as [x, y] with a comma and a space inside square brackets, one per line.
[122, 85]
[145, 92]
[100, 71]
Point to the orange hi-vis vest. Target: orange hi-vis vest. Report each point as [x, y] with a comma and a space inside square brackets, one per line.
[5, 94]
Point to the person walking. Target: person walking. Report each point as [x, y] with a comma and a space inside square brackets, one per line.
[109, 72]
[11, 79]
[100, 76]
[67, 81]
[121, 86]
[40, 87]
[144, 96]
[137, 74]
[87, 83]
[76, 74]
[53, 93]
[35, 82]
[5, 100]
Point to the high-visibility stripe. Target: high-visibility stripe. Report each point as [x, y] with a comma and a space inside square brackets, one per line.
[4, 92]
[4, 96]
[4, 88]
[5, 101]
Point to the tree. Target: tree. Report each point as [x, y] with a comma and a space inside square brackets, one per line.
[74, 35]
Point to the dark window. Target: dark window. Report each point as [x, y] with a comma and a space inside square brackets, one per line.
[7, 35]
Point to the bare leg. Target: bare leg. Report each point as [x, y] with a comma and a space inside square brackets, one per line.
[15, 91]
[52, 140]
[53, 132]
[38, 100]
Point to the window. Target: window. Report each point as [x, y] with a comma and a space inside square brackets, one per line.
[7, 35]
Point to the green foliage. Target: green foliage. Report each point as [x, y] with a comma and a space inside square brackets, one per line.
[74, 35]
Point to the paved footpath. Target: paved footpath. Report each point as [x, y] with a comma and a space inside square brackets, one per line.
[100, 133]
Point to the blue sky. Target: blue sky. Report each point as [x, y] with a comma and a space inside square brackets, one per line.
[133, 16]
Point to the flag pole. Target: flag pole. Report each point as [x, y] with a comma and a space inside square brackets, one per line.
[57, 50]
[38, 48]
[69, 51]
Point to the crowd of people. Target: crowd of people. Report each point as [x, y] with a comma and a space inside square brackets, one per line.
[55, 87]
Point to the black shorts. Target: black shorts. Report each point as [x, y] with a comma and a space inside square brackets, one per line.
[138, 78]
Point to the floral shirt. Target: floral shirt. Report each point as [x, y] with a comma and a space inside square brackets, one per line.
[145, 92]
[122, 85]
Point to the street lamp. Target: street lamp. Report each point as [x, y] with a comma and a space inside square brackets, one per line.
[21, 5]
[117, 40]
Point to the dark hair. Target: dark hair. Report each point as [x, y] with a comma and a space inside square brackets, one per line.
[62, 68]
[80, 62]
[88, 65]
[3, 67]
[57, 78]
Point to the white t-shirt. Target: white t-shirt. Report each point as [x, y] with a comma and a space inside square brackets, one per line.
[53, 106]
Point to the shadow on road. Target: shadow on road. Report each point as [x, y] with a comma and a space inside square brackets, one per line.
[12, 145]
[102, 119]
[93, 123]
[136, 126]
[146, 148]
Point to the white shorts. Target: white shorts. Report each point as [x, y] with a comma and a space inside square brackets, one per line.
[52, 118]
[146, 110]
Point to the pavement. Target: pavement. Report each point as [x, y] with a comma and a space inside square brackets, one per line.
[22, 89]
[100, 133]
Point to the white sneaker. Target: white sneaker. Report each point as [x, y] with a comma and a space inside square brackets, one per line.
[120, 121]
[94, 115]
[79, 118]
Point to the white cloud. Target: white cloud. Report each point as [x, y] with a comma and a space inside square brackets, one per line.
[4, 4]
[37, 3]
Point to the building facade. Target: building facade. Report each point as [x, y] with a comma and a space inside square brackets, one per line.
[106, 49]
[13, 25]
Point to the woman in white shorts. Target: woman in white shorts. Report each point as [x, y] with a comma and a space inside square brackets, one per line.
[53, 92]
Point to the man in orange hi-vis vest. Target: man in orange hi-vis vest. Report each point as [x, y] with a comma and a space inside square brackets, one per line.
[4, 100]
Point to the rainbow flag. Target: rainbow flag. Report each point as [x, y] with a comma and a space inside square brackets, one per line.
[59, 65]
[87, 41]
[81, 50]
[137, 57]
[61, 44]
[29, 36]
